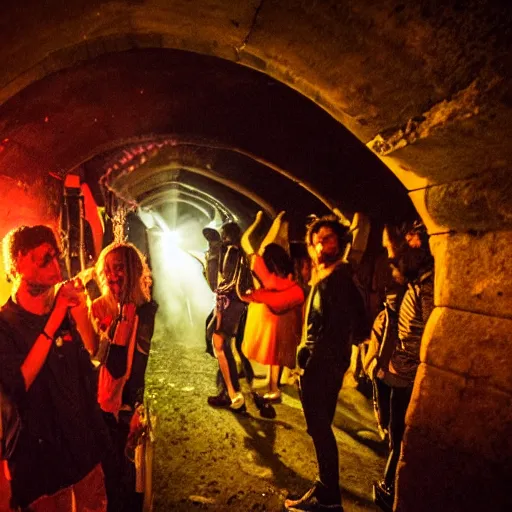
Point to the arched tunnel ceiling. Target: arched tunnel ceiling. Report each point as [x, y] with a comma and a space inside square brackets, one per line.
[242, 125]
[426, 85]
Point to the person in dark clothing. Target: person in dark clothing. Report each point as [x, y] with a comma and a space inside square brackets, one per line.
[384, 334]
[417, 265]
[226, 320]
[333, 307]
[124, 316]
[213, 262]
[46, 338]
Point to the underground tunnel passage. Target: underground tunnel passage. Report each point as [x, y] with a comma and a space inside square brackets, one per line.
[145, 96]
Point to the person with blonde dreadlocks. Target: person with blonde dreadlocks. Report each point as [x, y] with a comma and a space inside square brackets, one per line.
[124, 316]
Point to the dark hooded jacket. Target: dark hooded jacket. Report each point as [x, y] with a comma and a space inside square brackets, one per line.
[333, 313]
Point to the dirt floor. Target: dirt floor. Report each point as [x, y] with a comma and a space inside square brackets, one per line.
[213, 459]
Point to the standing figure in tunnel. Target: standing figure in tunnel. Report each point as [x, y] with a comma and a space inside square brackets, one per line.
[213, 261]
[229, 310]
[124, 317]
[272, 335]
[333, 307]
[384, 333]
[54, 436]
[417, 265]
[274, 318]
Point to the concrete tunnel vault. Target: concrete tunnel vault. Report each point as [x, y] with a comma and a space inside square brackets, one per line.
[425, 86]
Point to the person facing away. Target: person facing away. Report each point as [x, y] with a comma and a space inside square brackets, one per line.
[228, 314]
[273, 331]
[333, 305]
[53, 452]
[124, 317]
[214, 258]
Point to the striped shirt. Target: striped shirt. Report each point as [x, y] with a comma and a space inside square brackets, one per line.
[415, 309]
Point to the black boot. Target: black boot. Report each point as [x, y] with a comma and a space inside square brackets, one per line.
[266, 409]
[383, 496]
[220, 400]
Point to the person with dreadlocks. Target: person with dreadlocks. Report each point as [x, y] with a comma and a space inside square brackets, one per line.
[124, 317]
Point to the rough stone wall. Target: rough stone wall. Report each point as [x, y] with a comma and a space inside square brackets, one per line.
[427, 86]
[458, 445]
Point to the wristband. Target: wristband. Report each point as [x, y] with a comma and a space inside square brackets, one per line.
[47, 336]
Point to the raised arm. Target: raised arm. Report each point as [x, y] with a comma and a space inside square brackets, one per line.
[67, 297]
[278, 233]
[245, 241]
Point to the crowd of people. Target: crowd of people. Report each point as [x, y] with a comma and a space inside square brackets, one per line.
[306, 314]
[73, 366]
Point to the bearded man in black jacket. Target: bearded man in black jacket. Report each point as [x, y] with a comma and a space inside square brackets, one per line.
[333, 308]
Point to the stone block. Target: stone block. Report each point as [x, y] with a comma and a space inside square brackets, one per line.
[433, 476]
[468, 416]
[483, 203]
[472, 345]
[418, 198]
[474, 272]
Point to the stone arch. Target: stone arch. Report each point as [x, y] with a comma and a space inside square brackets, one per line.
[426, 88]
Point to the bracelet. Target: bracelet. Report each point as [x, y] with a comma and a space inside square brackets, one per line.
[47, 336]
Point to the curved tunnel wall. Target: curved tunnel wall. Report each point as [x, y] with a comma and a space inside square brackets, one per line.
[426, 87]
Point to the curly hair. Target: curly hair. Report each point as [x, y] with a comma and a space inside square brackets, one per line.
[329, 221]
[22, 240]
[137, 285]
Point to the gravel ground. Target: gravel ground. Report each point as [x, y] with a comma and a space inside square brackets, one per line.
[213, 459]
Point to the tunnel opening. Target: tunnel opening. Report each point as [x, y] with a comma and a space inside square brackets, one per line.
[255, 145]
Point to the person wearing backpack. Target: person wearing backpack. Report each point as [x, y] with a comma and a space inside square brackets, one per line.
[214, 257]
[384, 333]
[227, 316]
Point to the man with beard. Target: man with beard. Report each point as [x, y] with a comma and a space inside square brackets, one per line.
[417, 265]
[54, 435]
[333, 307]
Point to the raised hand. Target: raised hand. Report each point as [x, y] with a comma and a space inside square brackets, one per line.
[278, 233]
[70, 294]
[245, 240]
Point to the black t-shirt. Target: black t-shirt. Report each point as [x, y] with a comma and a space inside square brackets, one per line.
[62, 434]
[333, 309]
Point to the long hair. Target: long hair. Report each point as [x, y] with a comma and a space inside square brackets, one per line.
[137, 281]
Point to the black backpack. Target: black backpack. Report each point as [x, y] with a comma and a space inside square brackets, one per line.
[244, 281]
